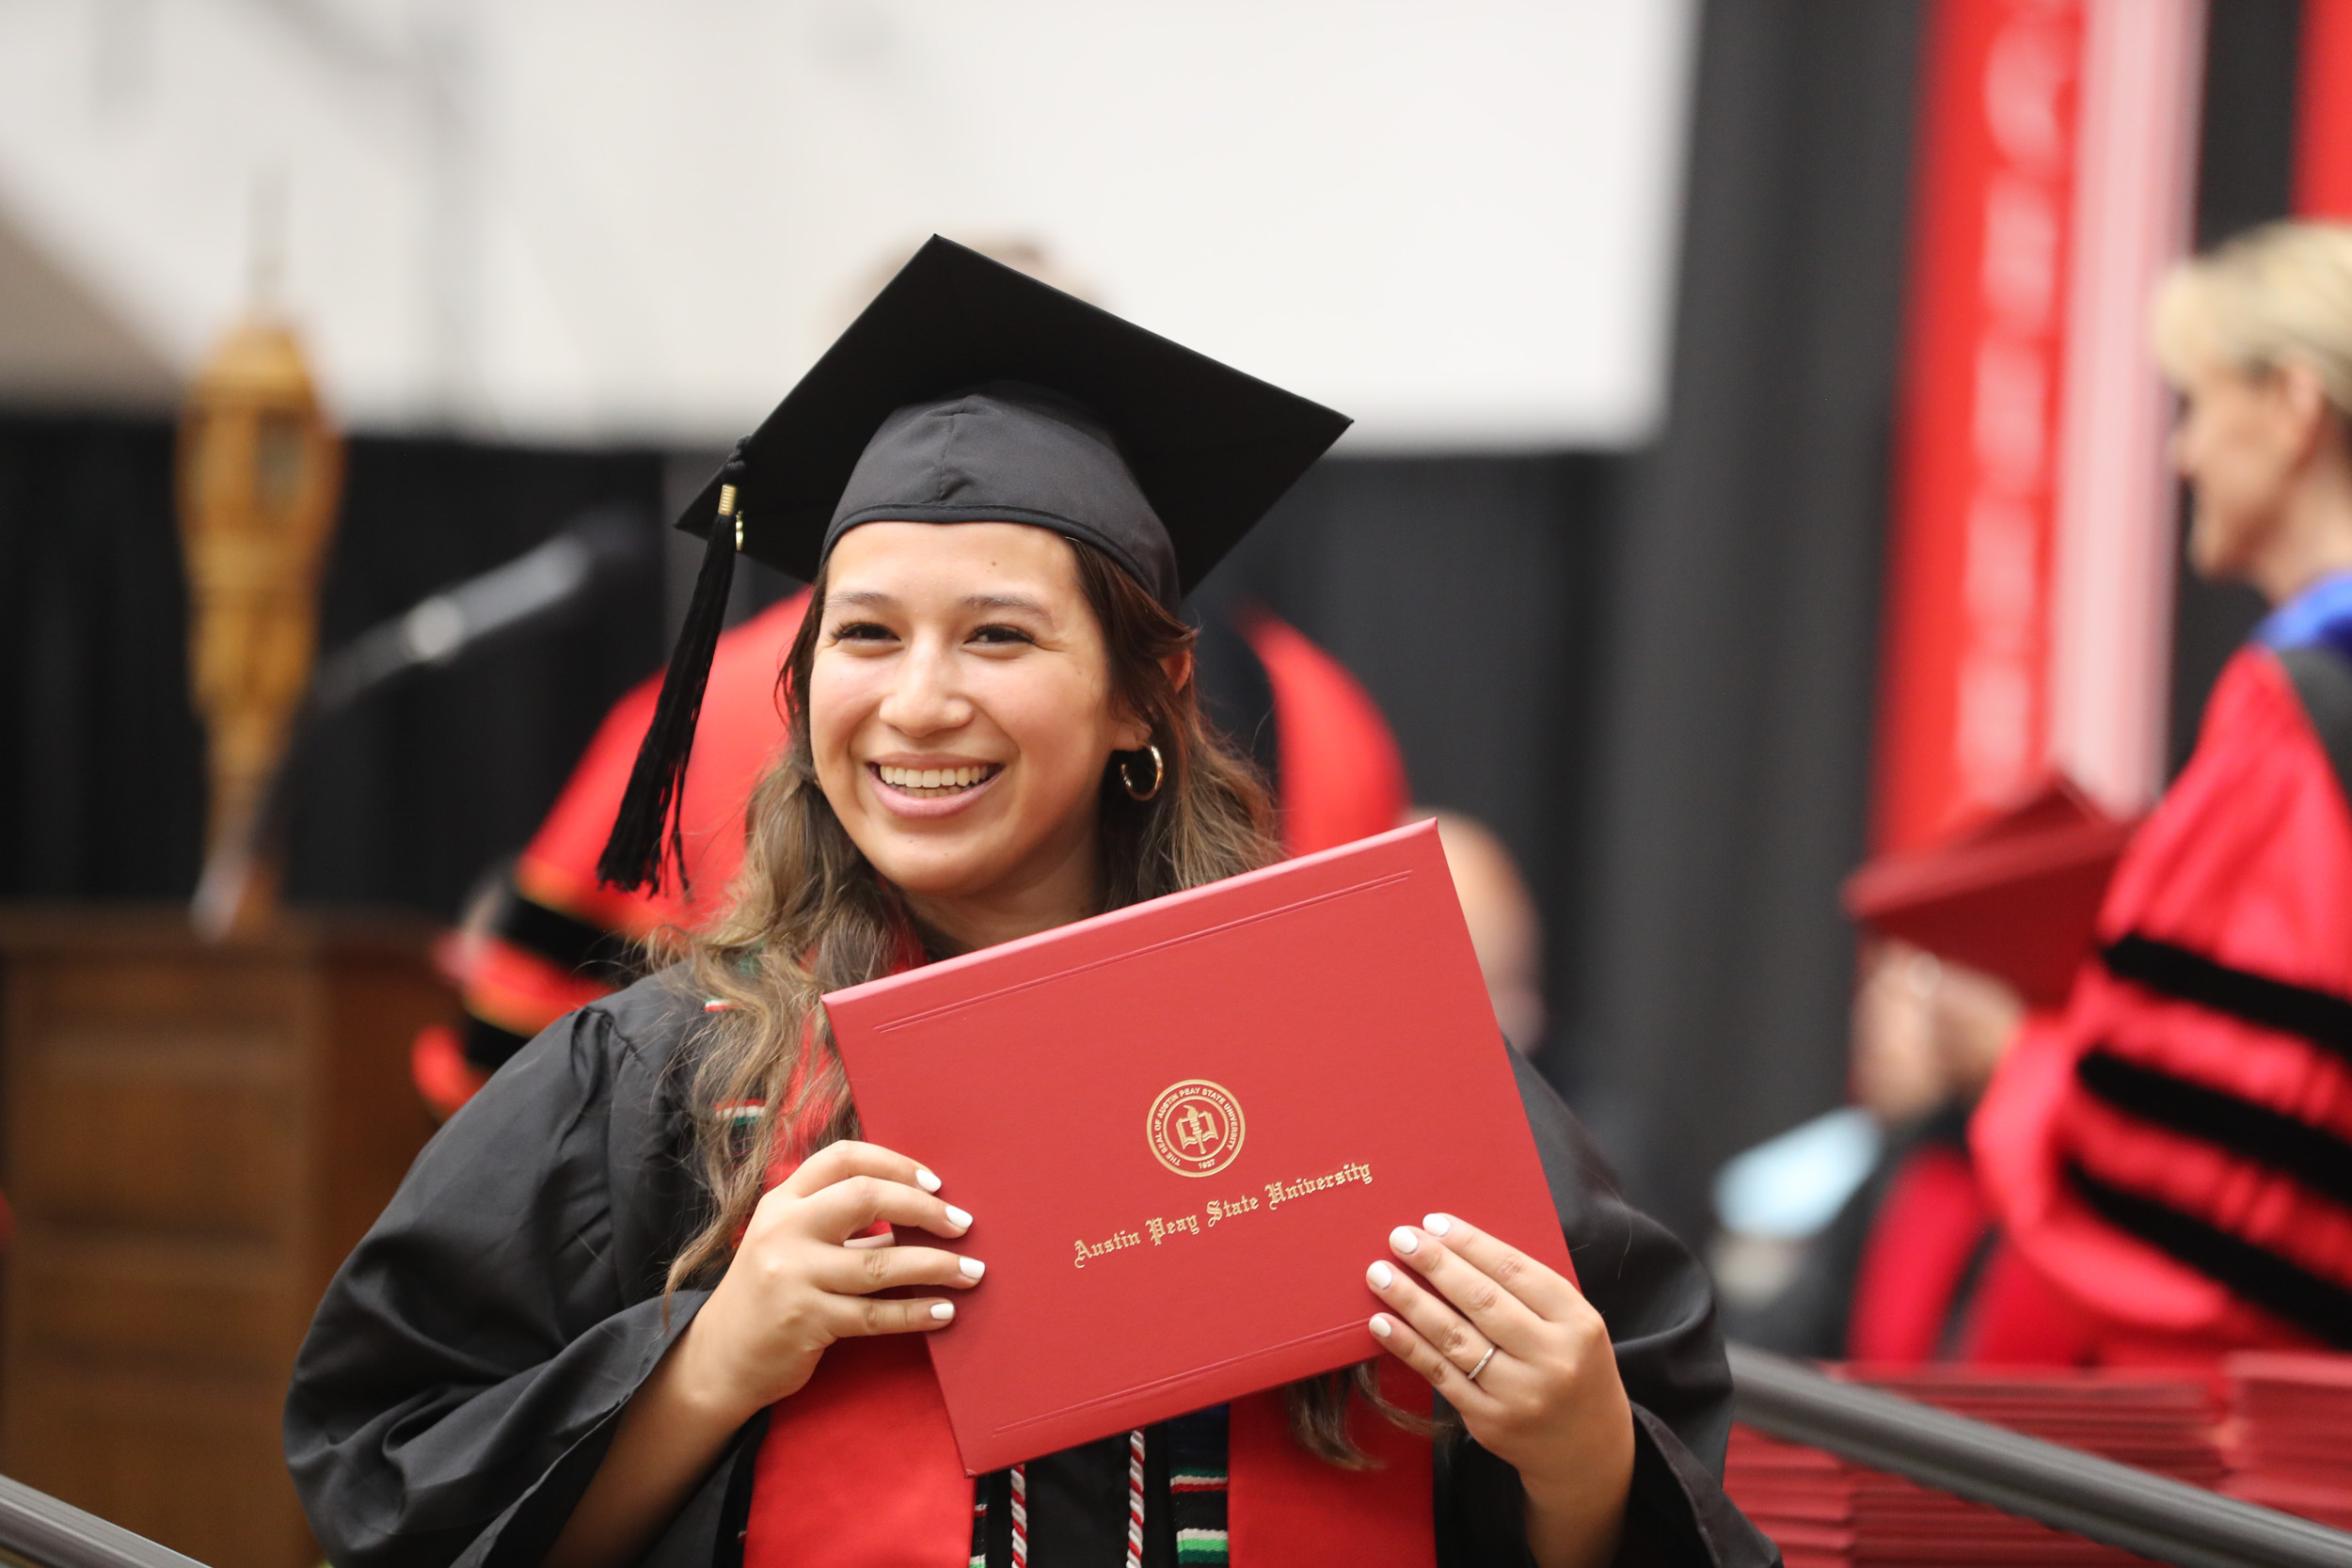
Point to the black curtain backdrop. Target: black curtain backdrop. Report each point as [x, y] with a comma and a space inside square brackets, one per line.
[419, 792]
[102, 777]
[1740, 665]
[101, 764]
[2245, 164]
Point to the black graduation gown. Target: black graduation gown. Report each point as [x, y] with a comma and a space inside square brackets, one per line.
[463, 1374]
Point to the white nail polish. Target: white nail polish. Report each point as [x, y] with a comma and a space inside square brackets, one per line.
[973, 1268]
[1381, 1325]
[958, 1217]
[1436, 1224]
[943, 1310]
[1403, 1239]
[1381, 1275]
[926, 1181]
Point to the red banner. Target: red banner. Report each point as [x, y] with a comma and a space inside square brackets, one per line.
[2028, 587]
[2323, 112]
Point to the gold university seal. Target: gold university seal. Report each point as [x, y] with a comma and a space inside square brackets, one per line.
[1195, 1128]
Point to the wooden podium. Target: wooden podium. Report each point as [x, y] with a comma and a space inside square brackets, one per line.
[196, 1136]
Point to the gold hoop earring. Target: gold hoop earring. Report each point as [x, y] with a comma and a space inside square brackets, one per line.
[1127, 779]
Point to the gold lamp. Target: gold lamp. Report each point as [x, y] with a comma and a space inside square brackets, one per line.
[260, 473]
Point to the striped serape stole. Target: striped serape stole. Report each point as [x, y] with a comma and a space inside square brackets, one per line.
[1196, 1486]
[1001, 1492]
[1195, 1444]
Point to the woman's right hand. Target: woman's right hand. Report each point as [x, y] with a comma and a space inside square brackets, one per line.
[797, 1283]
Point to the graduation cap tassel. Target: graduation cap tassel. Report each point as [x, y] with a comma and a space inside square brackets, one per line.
[649, 827]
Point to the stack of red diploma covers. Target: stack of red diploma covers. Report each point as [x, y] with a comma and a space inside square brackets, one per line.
[1825, 1512]
[2015, 897]
[2291, 1434]
[1185, 1129]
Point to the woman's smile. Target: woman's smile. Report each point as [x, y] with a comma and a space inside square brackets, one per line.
[930, 787]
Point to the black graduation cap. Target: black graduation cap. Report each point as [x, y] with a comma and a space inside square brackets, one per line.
[969, 392]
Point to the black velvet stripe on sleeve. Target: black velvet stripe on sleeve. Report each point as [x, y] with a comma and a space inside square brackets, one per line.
[2312, 1155]
[564, 941]
[2322, 680]
[2320, 1017]
[2262, 1276]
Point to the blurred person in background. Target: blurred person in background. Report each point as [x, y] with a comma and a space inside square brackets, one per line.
[1863, 1235]
[2175, 1151]
[1505, 927]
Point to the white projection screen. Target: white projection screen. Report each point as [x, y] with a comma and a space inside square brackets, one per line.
[623, 219]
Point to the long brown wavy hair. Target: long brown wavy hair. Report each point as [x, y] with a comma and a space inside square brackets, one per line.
[807, 914]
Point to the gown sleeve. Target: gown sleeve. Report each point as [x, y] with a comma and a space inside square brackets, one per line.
[1661, 1312]
[460, 1380]
[2163, 1152]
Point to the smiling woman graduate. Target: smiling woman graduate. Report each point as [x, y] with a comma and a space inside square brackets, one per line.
[585, 1331]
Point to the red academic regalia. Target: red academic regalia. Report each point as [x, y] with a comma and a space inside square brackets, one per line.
[1925, 1242]
[1938, 1281]
[2173, 1152]
[553, 945]
[2015, 897]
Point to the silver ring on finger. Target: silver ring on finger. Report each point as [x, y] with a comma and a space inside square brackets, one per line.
[1482, 1364]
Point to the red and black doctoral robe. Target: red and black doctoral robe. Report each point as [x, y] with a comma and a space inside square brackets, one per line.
[2174, 1151]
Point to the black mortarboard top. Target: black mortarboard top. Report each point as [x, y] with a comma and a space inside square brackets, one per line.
[969, 392]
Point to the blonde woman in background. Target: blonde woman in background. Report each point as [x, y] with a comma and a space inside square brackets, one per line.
[2174, 1155]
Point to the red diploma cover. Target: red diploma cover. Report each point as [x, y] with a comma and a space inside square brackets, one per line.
[1185, 1129]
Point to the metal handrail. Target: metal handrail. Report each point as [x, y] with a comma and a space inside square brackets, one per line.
[50, 1534]
[2065, 1488]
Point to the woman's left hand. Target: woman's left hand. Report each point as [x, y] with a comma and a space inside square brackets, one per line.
[1546, 1396]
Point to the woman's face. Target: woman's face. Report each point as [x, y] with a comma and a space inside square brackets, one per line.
[2239, 443]
[961, 716]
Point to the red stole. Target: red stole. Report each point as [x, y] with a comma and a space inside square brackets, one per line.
[859, 1470]
[1928, 1228]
